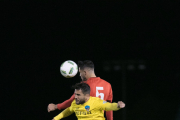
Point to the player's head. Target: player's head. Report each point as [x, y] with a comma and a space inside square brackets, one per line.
[86, 69]
[82, 92]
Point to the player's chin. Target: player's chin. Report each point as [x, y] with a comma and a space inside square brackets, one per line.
[77, 102]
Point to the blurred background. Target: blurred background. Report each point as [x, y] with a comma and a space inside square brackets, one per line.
[133, 44]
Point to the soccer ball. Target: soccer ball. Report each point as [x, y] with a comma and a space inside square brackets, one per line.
[68, 69]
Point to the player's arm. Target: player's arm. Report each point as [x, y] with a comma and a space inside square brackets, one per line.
[65, 104]
[111, 106]
[63, 114]
[110, 96]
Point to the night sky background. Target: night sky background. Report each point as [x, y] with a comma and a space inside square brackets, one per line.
[116, 36]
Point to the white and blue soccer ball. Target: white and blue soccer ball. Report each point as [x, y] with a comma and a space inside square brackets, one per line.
[68, 69]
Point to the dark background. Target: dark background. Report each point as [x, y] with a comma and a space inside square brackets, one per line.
[39, 36]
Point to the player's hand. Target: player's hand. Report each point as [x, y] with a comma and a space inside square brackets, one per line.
[121, 104]
[51, 107]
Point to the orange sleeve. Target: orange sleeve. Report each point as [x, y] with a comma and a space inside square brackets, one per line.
[109, 115]
[66, 103]
[110, 97]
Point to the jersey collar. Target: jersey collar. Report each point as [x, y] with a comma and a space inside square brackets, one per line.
[92, 78]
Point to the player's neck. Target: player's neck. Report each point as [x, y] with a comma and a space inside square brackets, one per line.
[92, 75]
[87, 98]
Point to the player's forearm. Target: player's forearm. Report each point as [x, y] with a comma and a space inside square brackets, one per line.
[112, 106]
[63, 114]
[66, 103]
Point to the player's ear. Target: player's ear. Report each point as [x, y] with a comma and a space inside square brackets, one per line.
[85, 72]
[87, 95]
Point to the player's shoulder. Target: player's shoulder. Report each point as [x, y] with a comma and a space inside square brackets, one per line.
[97, 81]
[73, 102]
[96, 99]
[104, 81]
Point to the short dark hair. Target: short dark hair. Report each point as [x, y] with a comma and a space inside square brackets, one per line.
[82, 86]
[86, 64]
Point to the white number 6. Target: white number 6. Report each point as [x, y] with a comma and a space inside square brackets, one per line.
[99, 94]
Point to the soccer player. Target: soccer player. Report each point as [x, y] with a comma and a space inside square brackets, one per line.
[99, 87]
[87, 107]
